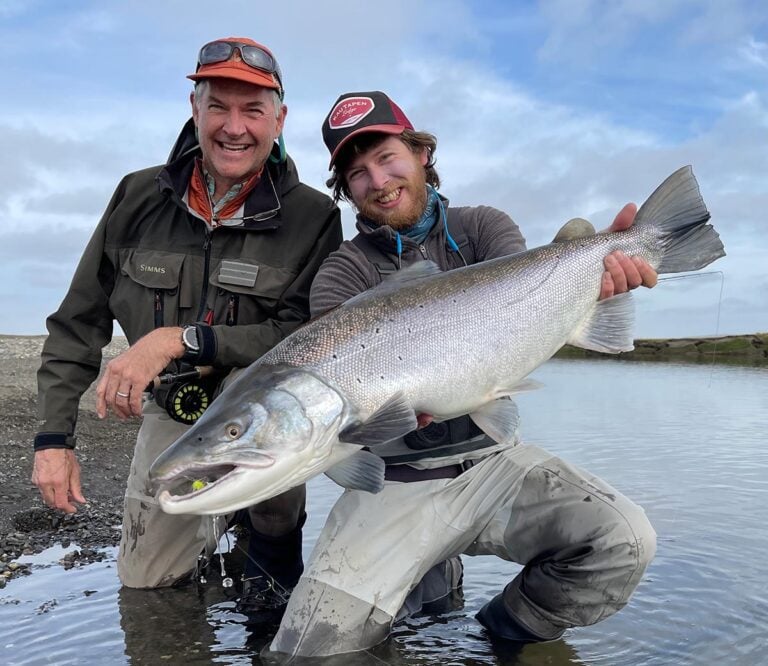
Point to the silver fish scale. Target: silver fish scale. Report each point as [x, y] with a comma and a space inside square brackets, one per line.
[430, 338]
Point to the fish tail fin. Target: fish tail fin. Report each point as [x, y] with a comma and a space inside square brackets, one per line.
[677, 210]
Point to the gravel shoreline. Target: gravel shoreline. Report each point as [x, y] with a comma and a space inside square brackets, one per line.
[104, 451]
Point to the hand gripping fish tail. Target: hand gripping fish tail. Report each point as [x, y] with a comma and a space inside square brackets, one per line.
[327, 397]
[677, 211]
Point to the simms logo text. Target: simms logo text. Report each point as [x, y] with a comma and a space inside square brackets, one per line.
[151, 269]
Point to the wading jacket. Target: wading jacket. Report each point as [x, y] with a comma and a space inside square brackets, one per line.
[481, 233]
[151, 263]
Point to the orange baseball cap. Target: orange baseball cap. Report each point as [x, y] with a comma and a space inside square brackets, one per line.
[238, 58]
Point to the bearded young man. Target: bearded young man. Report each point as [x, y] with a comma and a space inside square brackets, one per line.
[204, 261]
[451, 489]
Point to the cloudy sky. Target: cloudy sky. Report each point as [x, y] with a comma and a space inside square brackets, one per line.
[547, 110]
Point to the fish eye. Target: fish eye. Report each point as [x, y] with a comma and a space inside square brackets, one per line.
[232, 430]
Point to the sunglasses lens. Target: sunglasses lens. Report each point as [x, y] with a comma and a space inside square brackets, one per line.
[215, 52]
[257, 58]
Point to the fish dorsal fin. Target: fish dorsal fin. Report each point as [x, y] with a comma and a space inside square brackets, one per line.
[361, 471]
[609, 326]
[418, 270]
[498, 419]
[393, 419]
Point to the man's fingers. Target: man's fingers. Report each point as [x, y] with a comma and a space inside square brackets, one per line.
[48, 495]
[613, 265]
[648, 275]
[75, 488]
[625, 218]
[606, 286]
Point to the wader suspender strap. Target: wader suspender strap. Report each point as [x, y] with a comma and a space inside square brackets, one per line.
[386, 263]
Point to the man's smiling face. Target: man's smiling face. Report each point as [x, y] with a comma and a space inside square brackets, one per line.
[237, 124]
[387, 183]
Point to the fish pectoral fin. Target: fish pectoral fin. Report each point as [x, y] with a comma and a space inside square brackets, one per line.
[609, 326]
[525, 385]
[498, 419]
[393, 419]
[361, 471]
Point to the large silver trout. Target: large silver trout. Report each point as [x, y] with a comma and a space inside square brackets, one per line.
[425, 341]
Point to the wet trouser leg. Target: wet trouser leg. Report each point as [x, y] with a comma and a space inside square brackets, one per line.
[158, 549]
[274, 544]
[584, 545]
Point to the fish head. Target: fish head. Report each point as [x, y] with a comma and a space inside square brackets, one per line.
[268, 431]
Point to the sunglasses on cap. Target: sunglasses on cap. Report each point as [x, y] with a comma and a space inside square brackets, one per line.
[254, 56]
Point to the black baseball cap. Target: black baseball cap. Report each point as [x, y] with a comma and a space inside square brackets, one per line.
[359, 112]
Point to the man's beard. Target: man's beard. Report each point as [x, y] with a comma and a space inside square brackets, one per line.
[399, 218]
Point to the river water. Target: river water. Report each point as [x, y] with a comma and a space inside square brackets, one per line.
[687, 442]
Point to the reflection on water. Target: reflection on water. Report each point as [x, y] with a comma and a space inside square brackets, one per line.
[687, 442]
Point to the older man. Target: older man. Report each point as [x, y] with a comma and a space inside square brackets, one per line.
[204, 261]
[450, 488]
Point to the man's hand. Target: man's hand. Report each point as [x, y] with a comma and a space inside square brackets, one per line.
[56, 473]
[623, 273]
[127, 375]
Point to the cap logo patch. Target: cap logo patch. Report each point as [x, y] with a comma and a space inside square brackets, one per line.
[350, 111]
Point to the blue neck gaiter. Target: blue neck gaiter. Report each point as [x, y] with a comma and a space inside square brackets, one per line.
[418, 232]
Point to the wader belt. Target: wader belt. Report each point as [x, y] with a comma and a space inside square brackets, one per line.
[408, 474]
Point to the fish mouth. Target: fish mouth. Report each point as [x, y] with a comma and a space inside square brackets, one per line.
[197, 480]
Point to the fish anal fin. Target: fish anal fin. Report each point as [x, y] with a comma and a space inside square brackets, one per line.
[360, 471]
[498, 419]
[608, 328]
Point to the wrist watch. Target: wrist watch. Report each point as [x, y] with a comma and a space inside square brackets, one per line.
[190, 341]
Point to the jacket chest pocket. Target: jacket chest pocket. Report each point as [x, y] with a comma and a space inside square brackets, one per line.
[151, 292]
[246, 292]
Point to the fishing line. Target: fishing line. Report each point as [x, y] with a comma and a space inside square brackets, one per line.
[226, 581]
[719, 310]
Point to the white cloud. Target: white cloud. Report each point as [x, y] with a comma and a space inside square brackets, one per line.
[114, 98]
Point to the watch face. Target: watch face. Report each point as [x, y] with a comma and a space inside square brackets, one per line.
[189, 338]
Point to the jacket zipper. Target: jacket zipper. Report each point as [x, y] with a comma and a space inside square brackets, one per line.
[206, 270]
[423, 250]
[159, 307]
[232, 305]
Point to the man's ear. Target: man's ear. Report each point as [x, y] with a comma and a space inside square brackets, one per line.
[424, 156]
[281, 119]
[194, 106]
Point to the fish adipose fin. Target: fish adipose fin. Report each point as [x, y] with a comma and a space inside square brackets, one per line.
[498, 419]
[676, 208]
[609, 327]
[393, 419]
[361, 471]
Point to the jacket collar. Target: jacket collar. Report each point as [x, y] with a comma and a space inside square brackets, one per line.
[385, 237]
[263, 204]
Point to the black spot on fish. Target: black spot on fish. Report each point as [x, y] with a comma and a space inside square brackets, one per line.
[359, 381]
[587, 499]
[377, 330]
[362, 345]
[334, 356]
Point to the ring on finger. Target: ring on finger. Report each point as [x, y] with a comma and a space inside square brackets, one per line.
[120, 394]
